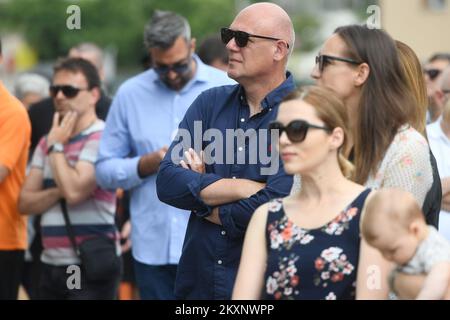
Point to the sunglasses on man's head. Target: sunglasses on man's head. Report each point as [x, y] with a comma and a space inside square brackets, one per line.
[432, 73]
[323, 60]
[296, 130]
[67, 90]
[241, 37]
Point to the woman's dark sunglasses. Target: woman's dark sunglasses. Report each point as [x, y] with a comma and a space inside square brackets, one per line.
[67, 90]
[432, 73]
[241, 37]
[296, 130]
[322, 60]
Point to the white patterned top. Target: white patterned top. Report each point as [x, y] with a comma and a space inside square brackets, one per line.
[406, 165]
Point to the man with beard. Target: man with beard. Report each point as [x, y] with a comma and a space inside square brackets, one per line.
[143, 120]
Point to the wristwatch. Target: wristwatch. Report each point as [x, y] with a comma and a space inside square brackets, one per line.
[56, 147]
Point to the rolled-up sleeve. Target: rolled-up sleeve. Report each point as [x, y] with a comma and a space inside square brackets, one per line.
[181, 188]
[114, 168]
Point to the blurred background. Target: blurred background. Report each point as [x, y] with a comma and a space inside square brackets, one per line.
[34, 32]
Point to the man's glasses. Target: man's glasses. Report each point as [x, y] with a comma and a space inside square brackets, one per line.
[241, 37]
[323, 60]
[67, 90]
[178, 68]
[432, 73]
[296, 130]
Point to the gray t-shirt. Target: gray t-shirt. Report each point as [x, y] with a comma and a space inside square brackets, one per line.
[434, 249]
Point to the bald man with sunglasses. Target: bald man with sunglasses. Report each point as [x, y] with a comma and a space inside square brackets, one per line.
[222, 194]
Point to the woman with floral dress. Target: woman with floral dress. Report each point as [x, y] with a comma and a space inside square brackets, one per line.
[307, 245]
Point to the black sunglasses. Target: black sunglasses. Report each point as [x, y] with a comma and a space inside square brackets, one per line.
[178, 67]
[322, 60]
[296, 130]
[432, 73]
[241, 37]
[67, 90]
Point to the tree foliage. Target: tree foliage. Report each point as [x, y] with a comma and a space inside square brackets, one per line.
[119, 23]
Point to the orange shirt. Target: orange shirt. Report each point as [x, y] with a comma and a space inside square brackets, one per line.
[15, 133]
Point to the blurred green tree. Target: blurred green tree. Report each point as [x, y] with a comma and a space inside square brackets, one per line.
[120, 23]
[106, 22]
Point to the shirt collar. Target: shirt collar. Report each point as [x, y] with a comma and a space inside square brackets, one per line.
[275, 96]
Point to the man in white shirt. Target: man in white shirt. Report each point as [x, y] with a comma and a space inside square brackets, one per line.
[439, 139]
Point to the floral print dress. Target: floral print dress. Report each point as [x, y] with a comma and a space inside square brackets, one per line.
[313, 263]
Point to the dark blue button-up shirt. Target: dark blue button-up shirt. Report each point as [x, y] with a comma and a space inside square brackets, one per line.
[211, 253]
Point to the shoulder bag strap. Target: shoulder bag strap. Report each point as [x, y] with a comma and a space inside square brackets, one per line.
[69, 228]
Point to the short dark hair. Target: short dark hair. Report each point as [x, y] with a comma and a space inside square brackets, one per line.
[440, 56]
[80, 65]
[212, 48]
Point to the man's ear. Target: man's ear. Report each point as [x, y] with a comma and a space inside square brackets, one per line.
[281, 50]
[96, 94]
[193, 45]
[362, 75]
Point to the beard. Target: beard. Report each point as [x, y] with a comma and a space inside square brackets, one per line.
[179, 82]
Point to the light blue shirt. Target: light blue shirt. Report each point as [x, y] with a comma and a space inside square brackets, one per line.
[144, 117]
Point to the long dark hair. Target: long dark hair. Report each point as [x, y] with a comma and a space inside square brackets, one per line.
[385, 100]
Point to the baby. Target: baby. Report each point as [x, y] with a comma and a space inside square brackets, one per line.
[394, 224]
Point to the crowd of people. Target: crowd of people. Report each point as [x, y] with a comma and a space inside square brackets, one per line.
[209, 175]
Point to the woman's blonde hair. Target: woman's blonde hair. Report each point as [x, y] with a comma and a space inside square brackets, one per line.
[331, 110]
[416, 83]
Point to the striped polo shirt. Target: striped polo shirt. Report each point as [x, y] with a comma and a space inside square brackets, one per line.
[92, 217]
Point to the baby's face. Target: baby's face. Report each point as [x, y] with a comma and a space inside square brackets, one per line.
[396, 247]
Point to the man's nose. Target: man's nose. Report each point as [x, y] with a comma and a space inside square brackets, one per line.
[172, 75]
[315, 73]
[60, 95]
[231, 45]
